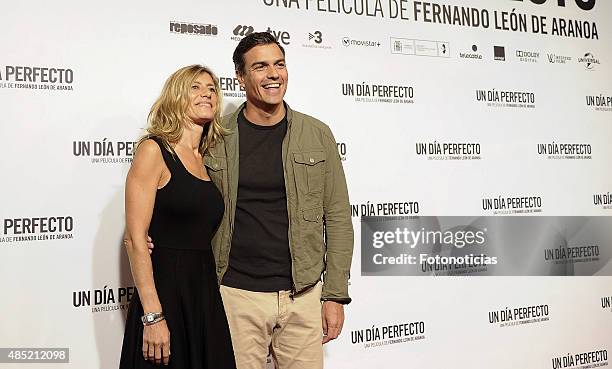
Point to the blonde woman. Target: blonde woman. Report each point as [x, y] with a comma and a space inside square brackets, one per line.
[177, 317]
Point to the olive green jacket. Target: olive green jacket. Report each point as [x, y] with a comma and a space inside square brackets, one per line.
[320, 226]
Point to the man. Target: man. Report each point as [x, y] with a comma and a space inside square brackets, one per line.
[287, 220]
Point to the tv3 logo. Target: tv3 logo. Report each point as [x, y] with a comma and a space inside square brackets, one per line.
[317, 36]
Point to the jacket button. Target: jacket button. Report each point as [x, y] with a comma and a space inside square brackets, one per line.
[216, 165]
[311, 160]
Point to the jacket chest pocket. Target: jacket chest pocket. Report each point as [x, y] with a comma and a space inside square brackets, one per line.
[309, 170]
[216, 168]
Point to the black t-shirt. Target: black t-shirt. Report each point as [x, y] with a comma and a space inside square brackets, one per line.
[259, 257]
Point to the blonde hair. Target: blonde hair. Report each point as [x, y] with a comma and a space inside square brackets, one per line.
[169, 111]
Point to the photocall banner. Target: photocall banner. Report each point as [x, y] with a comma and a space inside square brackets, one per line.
[475, 137]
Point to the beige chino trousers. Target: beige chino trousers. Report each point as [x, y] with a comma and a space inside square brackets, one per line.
[273, 322]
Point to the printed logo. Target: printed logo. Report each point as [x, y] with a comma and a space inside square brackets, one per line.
[240, 31]
[519, 316]
[36, 78]
[105, 151]
[448, 150]
[193, 28]
[603, 199]
[499, 53]
[528, 56]
[385, 208]
[375, 93]
[506, 99]
[282, 37]
[105, 299]
[406, 46]
[231, 87]
[589, 61]
[349, 42]
[474, 54]
[584, 360]
[572, 254]
[388, 334]
[599, 103]
[606, 302]
[558, 59]
[507, 205]
[565, 151]
[341, 150]
[315, 41]
[37, 229]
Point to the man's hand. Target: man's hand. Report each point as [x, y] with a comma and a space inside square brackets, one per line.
[127, 241]
[333, 319]
[150, 244]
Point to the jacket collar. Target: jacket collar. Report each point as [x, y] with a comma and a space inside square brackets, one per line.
[232, 124]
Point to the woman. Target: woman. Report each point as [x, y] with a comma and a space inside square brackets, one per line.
[176, 318]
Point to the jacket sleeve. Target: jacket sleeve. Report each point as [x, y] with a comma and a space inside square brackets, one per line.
[338, 226]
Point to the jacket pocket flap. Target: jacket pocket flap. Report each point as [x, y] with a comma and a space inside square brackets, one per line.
[214, 163]
[309, 157]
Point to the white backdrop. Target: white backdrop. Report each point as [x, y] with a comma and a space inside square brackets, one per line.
[115, 57]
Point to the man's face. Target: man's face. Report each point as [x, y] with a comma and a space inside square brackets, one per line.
[265, 76]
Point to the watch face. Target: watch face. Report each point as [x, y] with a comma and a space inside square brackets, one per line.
[150, 318]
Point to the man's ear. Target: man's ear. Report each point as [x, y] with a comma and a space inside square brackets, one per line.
[240, 78]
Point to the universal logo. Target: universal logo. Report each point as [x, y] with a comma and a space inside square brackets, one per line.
[193, 28]
[589, 61]
[407, 46]
[474, 55]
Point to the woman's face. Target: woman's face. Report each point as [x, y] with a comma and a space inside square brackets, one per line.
[202, 99]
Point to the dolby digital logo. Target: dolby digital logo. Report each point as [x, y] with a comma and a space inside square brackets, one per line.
[527, 56]
[594, 358]
[37, 78]
[378, 93]
[104, 299]
[599, 102]
[448, 150]
[389, 334]
[506, 99]
[104, 151]
[518, 316]
[15, 230]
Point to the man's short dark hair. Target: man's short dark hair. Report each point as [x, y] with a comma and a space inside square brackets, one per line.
[249, 42]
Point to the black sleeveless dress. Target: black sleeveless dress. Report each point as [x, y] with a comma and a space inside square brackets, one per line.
[186, 214]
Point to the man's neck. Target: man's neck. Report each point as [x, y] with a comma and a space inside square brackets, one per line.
[268, 115]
